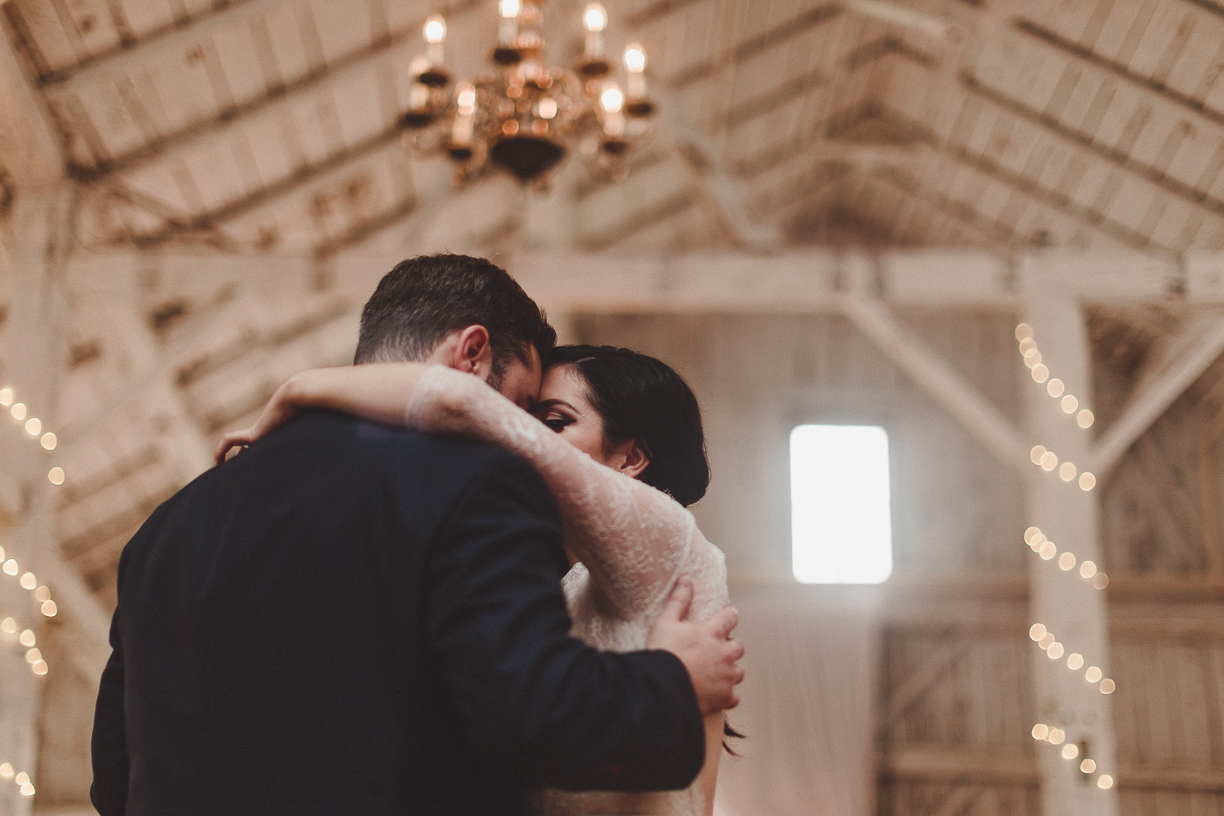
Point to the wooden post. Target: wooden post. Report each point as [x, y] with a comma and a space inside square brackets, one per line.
[37, 333]
[1061, 600]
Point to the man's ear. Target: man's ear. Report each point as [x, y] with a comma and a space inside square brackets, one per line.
[472, 353]
[629, 458]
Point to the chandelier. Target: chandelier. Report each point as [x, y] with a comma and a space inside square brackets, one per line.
[523, 116]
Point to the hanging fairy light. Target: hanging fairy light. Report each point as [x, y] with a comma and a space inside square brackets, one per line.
[1069, 404]
[1072, 751]
[29, 582]
[1048, 461]
[27, 640]
[523, 117]
[46, 606]
[1093, 676]
[1067, 561]
[1054, 386]
[19, 778]
[33, 427]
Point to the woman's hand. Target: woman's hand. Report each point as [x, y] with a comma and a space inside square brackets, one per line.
[375, 391]
[279, 410]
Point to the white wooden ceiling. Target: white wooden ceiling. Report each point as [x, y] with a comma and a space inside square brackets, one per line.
[271, 124]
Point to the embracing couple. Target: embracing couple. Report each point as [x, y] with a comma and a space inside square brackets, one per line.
[456, 578]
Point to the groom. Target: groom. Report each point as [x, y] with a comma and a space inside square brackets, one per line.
[353, 619]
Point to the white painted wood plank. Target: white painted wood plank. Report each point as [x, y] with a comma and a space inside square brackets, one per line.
[1155, 399]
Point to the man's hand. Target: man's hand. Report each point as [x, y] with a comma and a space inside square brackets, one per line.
[706, 649]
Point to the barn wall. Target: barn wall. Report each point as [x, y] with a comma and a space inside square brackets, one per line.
[955, 704]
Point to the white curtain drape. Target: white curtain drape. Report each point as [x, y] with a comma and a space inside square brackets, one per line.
[806, 709]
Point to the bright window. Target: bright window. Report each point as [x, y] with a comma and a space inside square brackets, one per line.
[841, 523]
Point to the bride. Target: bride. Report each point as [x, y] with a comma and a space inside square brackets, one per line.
[626, 456]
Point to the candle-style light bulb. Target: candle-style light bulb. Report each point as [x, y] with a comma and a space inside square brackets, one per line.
[435, 29]
[594, 19]
[465, 109]
[635, 70]
[420, 113]
[507, 27]
[612, 101]
[635, 58]
[435, 35]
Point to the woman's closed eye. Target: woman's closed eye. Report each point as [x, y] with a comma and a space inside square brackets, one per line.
[555, 421]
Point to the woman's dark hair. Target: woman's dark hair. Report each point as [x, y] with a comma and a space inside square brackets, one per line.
[644, 399]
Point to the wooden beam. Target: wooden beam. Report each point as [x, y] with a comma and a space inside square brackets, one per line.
[958, 800]
[10, 490]
[974, 766]
[934, 665]
[219, 127]
[36, 330]
[965, 765]
[176, 39]
[942, 383]
[1156, 397]
[1072, 609]
[30, 152]
[724, 195]
[794, 282]
[86, 623]
[1171, 776]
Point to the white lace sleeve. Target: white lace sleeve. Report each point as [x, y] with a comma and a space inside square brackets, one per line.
[634, 540]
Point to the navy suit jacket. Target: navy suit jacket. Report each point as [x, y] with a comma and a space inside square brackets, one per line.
[353, 619]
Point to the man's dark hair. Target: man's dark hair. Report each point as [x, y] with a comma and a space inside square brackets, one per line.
[423, 299]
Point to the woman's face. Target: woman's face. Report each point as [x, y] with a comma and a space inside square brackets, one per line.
[564, 407]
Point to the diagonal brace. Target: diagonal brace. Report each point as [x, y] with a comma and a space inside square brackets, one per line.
[1156, 399]
[942, 383]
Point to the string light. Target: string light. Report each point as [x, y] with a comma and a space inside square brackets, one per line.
[46, 605]
[20, 778]
[1054, 387]
[1044, 638]
[28, 640]
[29, 582]
[1071, 751]
[33, 427]
[1049, 733]
[1045, 548]
[1046, 459]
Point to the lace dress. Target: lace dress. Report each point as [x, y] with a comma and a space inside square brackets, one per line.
[633, 541]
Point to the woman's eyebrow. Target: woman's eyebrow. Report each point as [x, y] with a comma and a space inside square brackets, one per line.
[549, 403]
